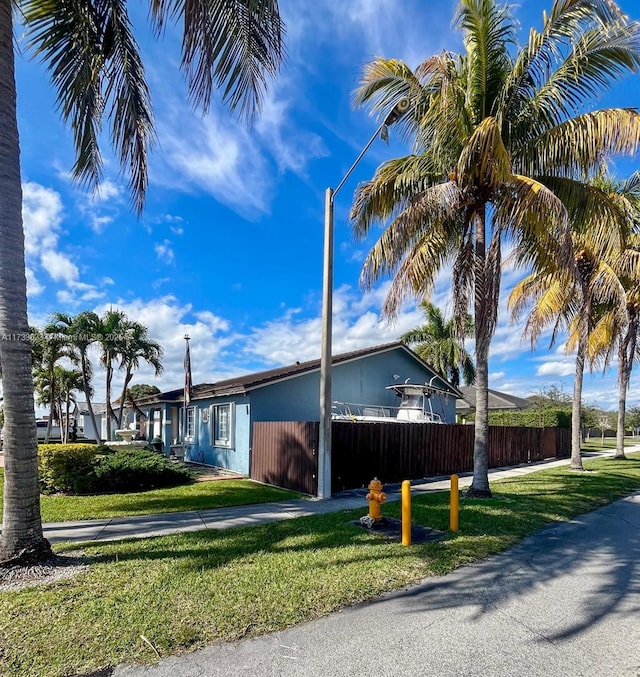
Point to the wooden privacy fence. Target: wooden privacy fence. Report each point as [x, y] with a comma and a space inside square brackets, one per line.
[284, 453]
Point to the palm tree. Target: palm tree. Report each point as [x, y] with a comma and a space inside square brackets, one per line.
[48, 348]
[496, 132]
[81, 332]
[96, 69]
[438, 346]
[583, 297]
[112, 336]
[618, 327]
[137, 347]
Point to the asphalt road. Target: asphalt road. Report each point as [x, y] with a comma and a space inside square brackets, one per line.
[566, 602]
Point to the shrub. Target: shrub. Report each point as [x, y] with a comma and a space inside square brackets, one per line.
[135, 470]
[530, 418]
[64, 467]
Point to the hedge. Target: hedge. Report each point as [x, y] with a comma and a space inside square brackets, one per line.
[91, 468]
[531, 418]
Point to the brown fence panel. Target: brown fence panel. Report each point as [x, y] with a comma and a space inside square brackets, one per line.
[563, 443]
[284, 454]
[397, 451]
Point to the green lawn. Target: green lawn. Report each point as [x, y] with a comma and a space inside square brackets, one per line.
[595, 443]
[196, 496]
[181, 592]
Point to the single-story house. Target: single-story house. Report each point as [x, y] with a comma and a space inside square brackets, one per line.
[497, 401]
[218, 424]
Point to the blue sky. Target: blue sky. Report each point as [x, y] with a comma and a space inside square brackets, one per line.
[229, 248]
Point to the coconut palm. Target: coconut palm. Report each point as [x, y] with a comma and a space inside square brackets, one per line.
[436, 343]
[138, 347]
[48, 349]
[80, 332]
[497, 131]
[67, 382]
[96, 70]
[111, 338]
[617, 329]
[582, 298]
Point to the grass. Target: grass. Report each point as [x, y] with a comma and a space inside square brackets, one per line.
[196, 496]
[184, 591]
[595, 443]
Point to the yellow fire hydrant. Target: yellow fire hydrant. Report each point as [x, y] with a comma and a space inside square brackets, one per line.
[376, 498]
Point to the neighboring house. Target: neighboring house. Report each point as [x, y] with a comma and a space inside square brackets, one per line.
[84, 420]
[218, 425]
[497, 401]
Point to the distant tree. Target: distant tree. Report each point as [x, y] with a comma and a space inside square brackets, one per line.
[437, 342]
[47, 349]
[633, 419]
[140, 390]
[136, 347]
[80, 332]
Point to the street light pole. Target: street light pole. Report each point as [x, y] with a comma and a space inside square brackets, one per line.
[324, 441]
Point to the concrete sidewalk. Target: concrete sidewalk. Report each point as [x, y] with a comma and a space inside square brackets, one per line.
[247, 515]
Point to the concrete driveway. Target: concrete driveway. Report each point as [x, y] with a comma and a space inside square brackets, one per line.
[564, 602]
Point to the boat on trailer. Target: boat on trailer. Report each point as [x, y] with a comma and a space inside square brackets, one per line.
[416, 406]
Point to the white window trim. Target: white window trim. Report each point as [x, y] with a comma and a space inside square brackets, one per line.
[228, 443]
[191, 435]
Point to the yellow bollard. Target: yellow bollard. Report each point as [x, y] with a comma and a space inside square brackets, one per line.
[454, 510]
[406, 513]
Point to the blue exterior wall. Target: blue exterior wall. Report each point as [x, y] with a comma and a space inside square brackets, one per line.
[360, 381]
[203, 450]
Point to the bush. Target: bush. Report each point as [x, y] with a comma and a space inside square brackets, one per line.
[135, 470]
[95, 469]
[530, 418]
[64, 467]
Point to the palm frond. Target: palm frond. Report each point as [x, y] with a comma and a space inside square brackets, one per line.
[577, 146]
[484, 161]
[96, 68]
[390, 191]
[234, 45]
[488, 29]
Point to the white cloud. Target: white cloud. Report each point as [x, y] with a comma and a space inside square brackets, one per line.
[213, 155]
[99, 223]
[33, 285]
[291, 147]
[59, 267]
[164, 252]
[107, 191]
[556, 368]
[42, 216]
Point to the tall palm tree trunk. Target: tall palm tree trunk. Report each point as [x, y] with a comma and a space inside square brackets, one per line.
[22, 537]
[626, 352]
[86, 387]
[576, 456]
[108, 409]
[480, 486]
[123, 398]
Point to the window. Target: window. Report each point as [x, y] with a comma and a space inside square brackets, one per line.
[222, 428]
[190, 431]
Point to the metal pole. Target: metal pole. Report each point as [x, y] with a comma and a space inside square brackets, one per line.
[324, 437]
[406, 512]
[324, 441]
[454, 509]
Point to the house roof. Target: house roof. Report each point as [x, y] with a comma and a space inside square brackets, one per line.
[247, 382]
[497, 400]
